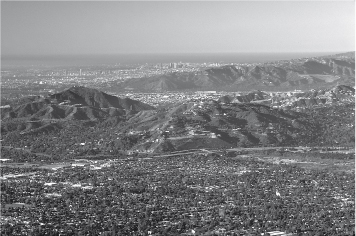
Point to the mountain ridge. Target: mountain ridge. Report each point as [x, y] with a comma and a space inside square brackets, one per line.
[77, 102]
[241, 121]
[299, 73]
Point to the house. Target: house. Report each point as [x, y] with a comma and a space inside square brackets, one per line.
[277, 233]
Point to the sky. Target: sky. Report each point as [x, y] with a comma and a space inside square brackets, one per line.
[112, 27]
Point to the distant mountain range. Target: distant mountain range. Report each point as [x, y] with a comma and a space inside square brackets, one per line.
[304, 73]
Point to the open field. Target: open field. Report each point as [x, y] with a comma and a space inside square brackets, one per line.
[311, 162]
[326, 78]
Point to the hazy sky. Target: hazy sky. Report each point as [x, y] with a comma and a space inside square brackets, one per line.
[181, 27]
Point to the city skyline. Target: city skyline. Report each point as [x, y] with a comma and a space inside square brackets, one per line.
[64, 28]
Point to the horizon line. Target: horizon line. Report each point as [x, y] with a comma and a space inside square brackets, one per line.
[163, 53]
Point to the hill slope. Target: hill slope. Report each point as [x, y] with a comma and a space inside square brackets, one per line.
[56, 126]
[95, 98]
[78, 103]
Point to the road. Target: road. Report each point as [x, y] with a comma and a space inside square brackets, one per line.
[28, 151]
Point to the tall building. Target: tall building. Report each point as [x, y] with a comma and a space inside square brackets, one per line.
[80, 72]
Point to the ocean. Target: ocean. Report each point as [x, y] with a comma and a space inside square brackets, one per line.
[132, 59]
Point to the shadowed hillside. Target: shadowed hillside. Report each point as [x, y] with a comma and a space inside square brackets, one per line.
[74, 103]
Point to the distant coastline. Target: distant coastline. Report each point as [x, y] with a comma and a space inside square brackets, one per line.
[151, 58]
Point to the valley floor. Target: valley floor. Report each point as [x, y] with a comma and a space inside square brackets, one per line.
[244, 191]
